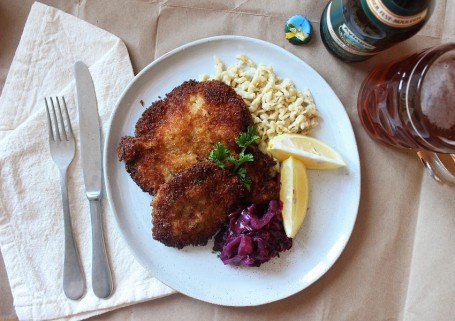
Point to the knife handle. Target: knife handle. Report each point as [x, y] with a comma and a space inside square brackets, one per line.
[101, 272]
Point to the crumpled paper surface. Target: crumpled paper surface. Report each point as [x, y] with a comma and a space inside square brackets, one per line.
[398, 264]
[31, 219]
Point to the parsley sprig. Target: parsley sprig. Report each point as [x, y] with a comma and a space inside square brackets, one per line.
[221, 154]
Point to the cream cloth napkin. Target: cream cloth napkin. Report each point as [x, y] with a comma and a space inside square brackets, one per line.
[31, 219]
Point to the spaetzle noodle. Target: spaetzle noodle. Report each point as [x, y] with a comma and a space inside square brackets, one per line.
[276, 106]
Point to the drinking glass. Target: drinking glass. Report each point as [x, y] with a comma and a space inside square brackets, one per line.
[410, 103]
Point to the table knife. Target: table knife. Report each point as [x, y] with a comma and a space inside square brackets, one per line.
[91, 154]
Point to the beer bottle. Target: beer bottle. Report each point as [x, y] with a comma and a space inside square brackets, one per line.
[355, 30]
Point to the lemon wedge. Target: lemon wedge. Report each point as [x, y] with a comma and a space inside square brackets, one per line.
[312, 152]
[293, 194]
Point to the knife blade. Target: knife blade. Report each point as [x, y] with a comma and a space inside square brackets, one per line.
[91, 156]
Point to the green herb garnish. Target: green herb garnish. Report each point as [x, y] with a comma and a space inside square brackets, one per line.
[221, 154]
[244, 178]
[247, 138]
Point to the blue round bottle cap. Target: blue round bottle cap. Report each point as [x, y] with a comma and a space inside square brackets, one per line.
[298, 30]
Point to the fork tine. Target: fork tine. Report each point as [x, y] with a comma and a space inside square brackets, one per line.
[49, 123]
[56, 122]
[61, 123]
[69, 132]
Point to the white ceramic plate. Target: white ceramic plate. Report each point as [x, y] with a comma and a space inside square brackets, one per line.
[196, 271]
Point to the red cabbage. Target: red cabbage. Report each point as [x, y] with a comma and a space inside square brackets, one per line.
[253, 235]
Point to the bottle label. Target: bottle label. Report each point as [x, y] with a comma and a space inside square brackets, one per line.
[383, 13]
[346, 38]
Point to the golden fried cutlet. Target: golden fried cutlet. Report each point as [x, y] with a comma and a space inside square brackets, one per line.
[192, 205]
[182, 129]
[265, 184]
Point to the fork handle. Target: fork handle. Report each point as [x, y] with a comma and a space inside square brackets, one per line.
[73, 277]
[101, 272]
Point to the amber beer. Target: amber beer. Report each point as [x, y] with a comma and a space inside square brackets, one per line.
[410, 103]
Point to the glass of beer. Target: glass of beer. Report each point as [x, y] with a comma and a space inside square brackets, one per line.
[410, 103]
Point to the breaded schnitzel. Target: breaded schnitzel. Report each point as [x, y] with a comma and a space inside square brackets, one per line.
[192, 205]
[181, 129]
[167, 158]
[265, 184]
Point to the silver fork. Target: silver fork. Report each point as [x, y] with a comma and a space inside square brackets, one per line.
[62, 146]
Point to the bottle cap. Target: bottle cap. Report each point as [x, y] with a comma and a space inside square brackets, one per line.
[298, 30]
